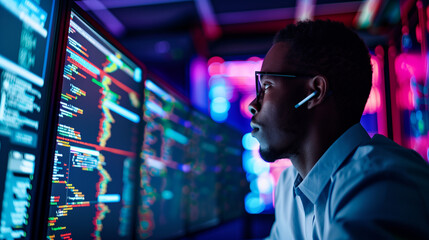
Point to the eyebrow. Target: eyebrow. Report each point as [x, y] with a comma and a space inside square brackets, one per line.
[275, 74]
[269, 78]
[265, 77]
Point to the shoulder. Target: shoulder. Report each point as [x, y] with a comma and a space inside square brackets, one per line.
[286, 179]
[379, 179]
[285, 183]
[381, 156]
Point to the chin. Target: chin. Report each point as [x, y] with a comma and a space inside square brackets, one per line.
[267, 156]
[271, 155]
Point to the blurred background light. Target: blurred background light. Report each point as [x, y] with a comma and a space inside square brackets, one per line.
[249, 142]
[253, 203]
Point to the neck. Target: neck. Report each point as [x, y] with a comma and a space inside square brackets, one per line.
[321, 135]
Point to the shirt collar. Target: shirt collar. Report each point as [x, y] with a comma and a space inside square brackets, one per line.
[316, 180]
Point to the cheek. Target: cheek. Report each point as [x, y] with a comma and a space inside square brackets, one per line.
[277, 111]
[275, 121]
[272, 112]
[281, 120]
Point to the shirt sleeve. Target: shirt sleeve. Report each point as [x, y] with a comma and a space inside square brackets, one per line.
[274, 234]
[379, 206]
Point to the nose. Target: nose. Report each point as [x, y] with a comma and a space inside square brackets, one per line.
[253, 106]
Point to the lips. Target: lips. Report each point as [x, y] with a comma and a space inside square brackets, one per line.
[255, 128]
[254, 131]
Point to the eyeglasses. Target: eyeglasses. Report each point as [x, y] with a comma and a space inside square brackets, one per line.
[259, 75]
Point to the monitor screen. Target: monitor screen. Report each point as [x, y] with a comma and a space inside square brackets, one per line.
[93, 184]
[163, 187]
[25, 53]
[203, 158]
[232, 183]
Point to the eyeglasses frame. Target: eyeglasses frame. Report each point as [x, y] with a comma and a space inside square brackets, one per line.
[258, 82]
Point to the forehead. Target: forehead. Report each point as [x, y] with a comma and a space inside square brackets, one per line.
[277, 60]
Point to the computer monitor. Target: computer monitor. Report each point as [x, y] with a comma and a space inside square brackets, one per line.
[27, 29]
[93, 180]
[164, 164]
[203, 155]
[232, 182]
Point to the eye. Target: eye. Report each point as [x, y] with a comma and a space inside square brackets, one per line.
[266, 86]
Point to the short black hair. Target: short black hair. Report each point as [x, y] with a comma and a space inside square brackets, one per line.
[336, 52]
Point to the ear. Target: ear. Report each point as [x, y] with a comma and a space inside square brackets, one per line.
[318, 83]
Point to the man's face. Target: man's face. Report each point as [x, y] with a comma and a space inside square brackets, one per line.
[277, 125]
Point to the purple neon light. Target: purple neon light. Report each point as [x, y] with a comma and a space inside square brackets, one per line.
[198, 79]
[109, 20]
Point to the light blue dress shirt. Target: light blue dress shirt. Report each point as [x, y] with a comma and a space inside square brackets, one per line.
[361, 188]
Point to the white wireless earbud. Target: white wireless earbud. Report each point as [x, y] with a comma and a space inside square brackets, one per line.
[312, 95]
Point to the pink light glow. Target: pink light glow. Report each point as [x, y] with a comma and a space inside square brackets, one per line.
[198, 76]
[216, 68]
[405, 98]
[427, 20]
[276, 169]
[239, 69]
[374, 101]
[235, 68]
[418, 34]
[408, 65]
[244, 106]
[255, 59]
[375, 71]
[239, 73]
[215, 59]
[419, 144]
[411, 72]
[242, 68]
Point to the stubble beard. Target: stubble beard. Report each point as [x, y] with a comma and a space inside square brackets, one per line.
[290, 131]
[271, 155]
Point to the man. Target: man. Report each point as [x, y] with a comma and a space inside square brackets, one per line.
[343, 184]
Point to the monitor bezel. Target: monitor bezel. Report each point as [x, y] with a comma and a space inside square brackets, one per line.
[40, 186]
[67, 7]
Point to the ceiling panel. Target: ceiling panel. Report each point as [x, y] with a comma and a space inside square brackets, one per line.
[158, 17]
[223, 6]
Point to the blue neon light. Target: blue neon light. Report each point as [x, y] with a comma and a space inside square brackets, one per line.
[137, 75]
[122, 111]
[83, 62]
[109, 198]
[253, 203]
[157, 90]
[176, 136]
[249, 142]
[218, 117]
[155, 108]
